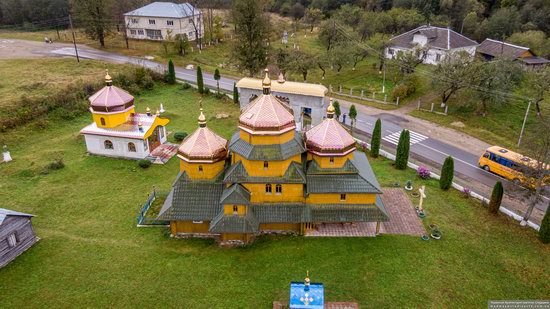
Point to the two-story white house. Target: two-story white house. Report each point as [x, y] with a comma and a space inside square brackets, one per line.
[161, 20]
[436, 42]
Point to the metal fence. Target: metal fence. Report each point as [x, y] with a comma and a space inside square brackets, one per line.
[142, 220]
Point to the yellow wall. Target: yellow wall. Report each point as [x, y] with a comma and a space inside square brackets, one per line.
[188, 227]
[228, 210]
[280, 227]
[266, 139]
[324, 162]
[112, 120]
[291, 193]
[275, 168]
[209, 170]
[334, 198]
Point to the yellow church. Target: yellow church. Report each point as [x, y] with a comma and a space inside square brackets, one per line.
[270, 178]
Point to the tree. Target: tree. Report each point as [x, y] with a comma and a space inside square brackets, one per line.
[502, 23]
[200, 83]
[357, 54]
[181, 43]
[196, 20]
[93, 16]
[352, 116]
[350, 15]
[282, 59]
[297, 11]
[250, 48]
[379, 42]
[217, 77]
[376, 139]
[331, 33]
[452, 74]
[301, 62]
[235, 94]
[408, 61]
[312, 17]
[447, 174]
[537, 86]
[339, 55]
[536, 40]
[402, 154]
[337, 111]
[544, 231]
[171, 73]
[496, 198]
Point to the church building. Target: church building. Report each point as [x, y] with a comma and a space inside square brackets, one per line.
[117, 130]
[269, 178]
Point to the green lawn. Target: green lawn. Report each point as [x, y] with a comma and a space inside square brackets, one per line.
[91, 254]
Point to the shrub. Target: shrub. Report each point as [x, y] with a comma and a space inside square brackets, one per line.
[400, 91]
[180, 136]
[544, 231]
[496, 198]
[200, 83]
[206, 91]
[219, 95]
[144, 163]
[423, 172]
[447, 174]
[402, 154]
[375, 139]
[185, 86]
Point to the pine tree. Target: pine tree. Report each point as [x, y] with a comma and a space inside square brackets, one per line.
[496, 198]
[235, 94]
[200, 83]
[217, 77]
[544, 232]
[375, 139]
[447, 174]
[171, 73]
[402, 154]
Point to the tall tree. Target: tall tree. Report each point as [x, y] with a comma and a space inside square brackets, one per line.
[252, 27]
[453, 73]
[94, 17]
[537, 86]
[337, 111]
[447, 174]
[402, 153]
[301, 62]
[181, 43]
[312, 17]
[235, 94]
[200, 82]
[331, 33]
[171, 73]
[376, 139]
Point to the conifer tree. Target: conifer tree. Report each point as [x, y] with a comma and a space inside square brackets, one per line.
[200, 83]
[544, 231]
[375, 139]
[337, 111]
[496, 198]
[352, 116]
[217, 77]
[447, 174]
[171, 73]
[402, 154]
[235, 94]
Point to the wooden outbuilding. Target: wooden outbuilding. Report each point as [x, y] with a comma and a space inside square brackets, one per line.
[16, 235]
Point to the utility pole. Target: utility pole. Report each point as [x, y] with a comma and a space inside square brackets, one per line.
[384, 80]
[524, 121]
[74, 39]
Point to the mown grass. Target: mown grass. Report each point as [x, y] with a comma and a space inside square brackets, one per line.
[91, 254]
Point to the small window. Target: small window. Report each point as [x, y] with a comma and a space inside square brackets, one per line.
[133, 32]
[12, 240]
[108, 144]
[102, 121]
[390, 51]
[437, 57]
[266, 165]
[151, 21]
[342, 197]
[200, 169]
[190, 21]
[235, 209]
[331, 160]
[268, 189]
[190, 34]
[131, 147]
[140, 32]
[278, 189]
[170, 22]
[134, 20]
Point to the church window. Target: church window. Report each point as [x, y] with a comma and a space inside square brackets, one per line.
[331, 160]
[131, 147]
[266, 165]
[108, 144]
[342, 197]
[102, 121]
[278, 189]
[200, 169]
[235, 209]
[268, 189]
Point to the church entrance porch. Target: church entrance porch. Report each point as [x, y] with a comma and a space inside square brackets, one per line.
[154, 139]
[403, 220]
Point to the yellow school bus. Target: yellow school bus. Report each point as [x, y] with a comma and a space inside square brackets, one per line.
[505, 163]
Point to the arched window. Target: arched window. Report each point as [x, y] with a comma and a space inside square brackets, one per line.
[278, 189]
[131, 147]
[235, 209]
[331, 160]
[102, 121]
[108, 144]
[268, 189]
[283, 99]
[200, 169]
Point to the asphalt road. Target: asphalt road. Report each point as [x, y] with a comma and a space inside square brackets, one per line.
[423, 147]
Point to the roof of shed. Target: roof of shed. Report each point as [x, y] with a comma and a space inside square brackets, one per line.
[6, 212]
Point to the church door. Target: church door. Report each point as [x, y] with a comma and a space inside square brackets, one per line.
[154, 139]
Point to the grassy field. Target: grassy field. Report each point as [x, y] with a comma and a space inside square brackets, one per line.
[91, 254]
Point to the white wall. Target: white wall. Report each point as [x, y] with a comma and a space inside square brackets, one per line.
[431, 57]
[420, 39]
[180, 26]
[96, 145]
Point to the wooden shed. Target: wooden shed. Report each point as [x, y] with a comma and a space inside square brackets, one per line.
[16, 234]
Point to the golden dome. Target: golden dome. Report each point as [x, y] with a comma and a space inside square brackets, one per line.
[330, 109]
[148, 110]
[108, 79]
[266, 82]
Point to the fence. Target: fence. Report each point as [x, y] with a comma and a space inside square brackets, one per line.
[433, 108]
[142, 220]
[362, 94]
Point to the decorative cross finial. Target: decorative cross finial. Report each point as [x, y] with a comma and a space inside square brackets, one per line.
[202, 118]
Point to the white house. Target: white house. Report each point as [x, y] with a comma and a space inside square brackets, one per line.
[437, 42]
[160, 20]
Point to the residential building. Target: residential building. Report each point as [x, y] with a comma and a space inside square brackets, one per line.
[432, 43]
[162, 20]
[16, 235]
[269, 178]
[490, 49]
[117, 130]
